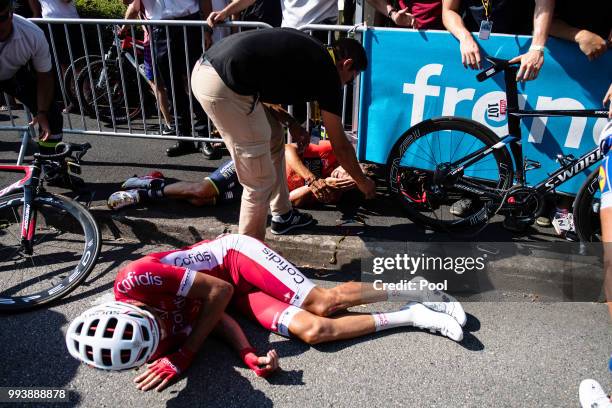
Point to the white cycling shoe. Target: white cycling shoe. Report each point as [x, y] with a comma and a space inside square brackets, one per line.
[155, 179]
[427, 319]
[592, 395]
[122, 199]
[441, 302]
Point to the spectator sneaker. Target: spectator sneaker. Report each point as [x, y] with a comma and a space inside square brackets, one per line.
[153, 180]
[168, 130]
[122, 199]
[461, 208]
[282, 224]
[592, 395]
[563, 222]
[543, 221]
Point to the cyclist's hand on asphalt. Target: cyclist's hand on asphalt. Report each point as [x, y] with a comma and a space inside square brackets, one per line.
[43, 123]
[403, 18]
[531, 63]
[470, 52]
[164, 370]
[262, 366]
[340, 184]
[608, 100]
[592, 45]
[368, 188]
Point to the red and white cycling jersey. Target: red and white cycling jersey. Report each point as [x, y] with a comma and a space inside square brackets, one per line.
[267, 287]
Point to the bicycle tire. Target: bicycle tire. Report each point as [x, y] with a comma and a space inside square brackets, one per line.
[69, 76]
[586, 209]
[413, 187]
[59, 224]
[117, 106]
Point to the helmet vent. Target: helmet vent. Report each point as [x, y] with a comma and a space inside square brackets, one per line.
[92, 327]
[142, 354]
[128, 333]
[125, 356]
[110, 328]
[145, 334]
[106, 357]
[89, 353]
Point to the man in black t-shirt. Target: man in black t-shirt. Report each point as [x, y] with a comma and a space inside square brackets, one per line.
[275, 66]
[462, 17]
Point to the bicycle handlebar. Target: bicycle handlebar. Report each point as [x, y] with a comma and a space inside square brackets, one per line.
[499, 65]
[67, 149]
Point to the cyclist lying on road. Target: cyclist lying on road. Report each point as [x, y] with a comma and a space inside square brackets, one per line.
[167, 303]
[314, 177]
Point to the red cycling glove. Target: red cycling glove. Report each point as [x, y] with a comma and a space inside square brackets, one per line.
[172, 365]
[252, 361]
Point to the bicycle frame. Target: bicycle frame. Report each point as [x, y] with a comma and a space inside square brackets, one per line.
[514, 138]
[28, 183]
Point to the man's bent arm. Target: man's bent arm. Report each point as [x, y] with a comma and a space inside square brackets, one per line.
[346, 154]
[542, 20]
[295, 163]
[215, 295]
[231, 332]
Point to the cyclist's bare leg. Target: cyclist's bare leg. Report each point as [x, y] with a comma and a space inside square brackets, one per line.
[197, 193]
[314, 329]
[324, 302]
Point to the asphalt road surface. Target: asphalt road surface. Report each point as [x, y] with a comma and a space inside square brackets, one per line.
[518, 353]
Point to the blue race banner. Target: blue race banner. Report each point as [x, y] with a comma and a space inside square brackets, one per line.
[416, 75]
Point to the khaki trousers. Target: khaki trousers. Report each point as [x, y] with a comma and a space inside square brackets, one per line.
[256, 143]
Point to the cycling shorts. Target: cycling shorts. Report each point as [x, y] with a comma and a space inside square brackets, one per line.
[605, 186]
[225, 181]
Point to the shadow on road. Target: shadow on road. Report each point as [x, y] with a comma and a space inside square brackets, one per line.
[42, 360]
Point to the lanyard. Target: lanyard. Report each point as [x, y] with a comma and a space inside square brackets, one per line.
[330, 50]
[486, 4]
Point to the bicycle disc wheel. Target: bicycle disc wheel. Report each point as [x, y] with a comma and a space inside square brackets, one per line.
[426, 152]
[66, 245]
[111, 101]
[586, 209]
[69, 77]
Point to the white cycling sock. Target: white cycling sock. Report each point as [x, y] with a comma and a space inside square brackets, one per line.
[418, 315]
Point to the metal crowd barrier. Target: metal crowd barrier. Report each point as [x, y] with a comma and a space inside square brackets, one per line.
[104, 80]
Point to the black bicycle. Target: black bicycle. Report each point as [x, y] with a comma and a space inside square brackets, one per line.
[439, 162]
[48, 243]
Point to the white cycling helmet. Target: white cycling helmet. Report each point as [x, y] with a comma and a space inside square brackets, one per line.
[113, 336]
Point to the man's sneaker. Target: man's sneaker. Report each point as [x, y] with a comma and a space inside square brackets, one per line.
[461, 208]
[181, 148]
[168, 130]
[425, 318]
[440, 301]
[282, 224]
[543, 221]
[122, 199]
[153, 180]
[592, 395]
[563, 222]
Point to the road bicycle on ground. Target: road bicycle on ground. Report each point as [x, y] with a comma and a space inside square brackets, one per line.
[441, 161]
[48, 243]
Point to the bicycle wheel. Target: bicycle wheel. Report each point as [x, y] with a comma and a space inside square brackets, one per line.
[66, 245]
[586, 209]
[418, 169]
[69, 76]
[122, 106]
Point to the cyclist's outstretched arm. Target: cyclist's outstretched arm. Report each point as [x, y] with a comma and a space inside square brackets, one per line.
[230, 331]
[215, 295]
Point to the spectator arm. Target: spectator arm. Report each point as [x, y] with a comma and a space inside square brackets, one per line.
[452, 20]
[542, 19]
